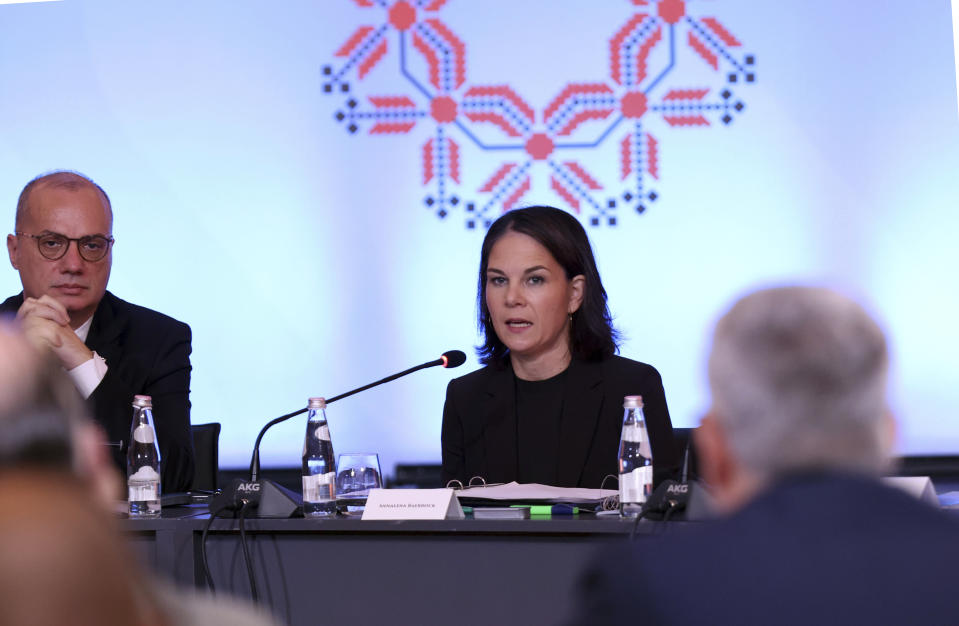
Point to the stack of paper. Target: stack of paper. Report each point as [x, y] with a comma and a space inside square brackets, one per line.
[516, 493]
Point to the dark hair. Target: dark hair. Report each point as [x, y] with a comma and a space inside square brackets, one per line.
[36, 423]
[592, 336]
[38, 411]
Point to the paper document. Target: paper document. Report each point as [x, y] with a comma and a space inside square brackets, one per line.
[918, 486]
[533, 492]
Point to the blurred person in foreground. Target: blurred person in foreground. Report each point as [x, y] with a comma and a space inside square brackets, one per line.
[548, 406]
[63, 558]
[792, 447]
[62, 247]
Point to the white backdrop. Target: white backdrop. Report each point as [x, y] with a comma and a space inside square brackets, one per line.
[307, 262]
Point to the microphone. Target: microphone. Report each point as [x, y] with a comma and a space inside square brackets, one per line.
[669, 498]
[450, 358]
[453, 358]
[271, 499]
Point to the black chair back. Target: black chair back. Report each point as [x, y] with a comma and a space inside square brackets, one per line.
[689, 467]
[206, 448]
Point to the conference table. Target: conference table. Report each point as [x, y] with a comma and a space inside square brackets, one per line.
[349, 571]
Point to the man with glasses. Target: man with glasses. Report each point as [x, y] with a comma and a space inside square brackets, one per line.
[62, 247]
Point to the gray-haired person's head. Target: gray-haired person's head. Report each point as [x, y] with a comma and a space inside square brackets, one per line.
[798, 379]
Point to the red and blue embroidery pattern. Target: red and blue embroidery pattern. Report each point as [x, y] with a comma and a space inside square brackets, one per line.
[635, 97]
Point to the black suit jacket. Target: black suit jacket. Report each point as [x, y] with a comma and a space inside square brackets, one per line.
[479, 423]
[818, 549]
[146, 353]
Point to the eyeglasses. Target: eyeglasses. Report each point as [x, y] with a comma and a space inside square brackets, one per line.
[54, 245]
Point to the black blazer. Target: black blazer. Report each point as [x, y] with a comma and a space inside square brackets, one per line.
[826, 549]
[146, 353]
[479, 423]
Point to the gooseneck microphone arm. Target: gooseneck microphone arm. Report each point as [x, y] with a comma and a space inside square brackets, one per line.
[255, 461]
[385, 380]
[452, 358]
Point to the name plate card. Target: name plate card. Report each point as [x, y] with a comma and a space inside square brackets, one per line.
[398, 504]
[918, 486]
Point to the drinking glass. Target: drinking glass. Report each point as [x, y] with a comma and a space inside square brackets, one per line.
[356, 474]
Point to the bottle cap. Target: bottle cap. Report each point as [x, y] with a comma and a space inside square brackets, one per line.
[143, 401]
[317, 403]
[633, 402]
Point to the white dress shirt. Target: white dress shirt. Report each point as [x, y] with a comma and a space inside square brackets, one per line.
[88, 375]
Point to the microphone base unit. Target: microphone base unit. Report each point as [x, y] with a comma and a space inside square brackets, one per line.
[266, 499]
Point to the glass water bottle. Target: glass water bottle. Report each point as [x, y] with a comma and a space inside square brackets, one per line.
[143, 461]
[635, 459]
[319, 465]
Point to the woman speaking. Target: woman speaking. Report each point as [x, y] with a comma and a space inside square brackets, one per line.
[548, 406]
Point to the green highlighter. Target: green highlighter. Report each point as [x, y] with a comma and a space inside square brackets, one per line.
[550, 509]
